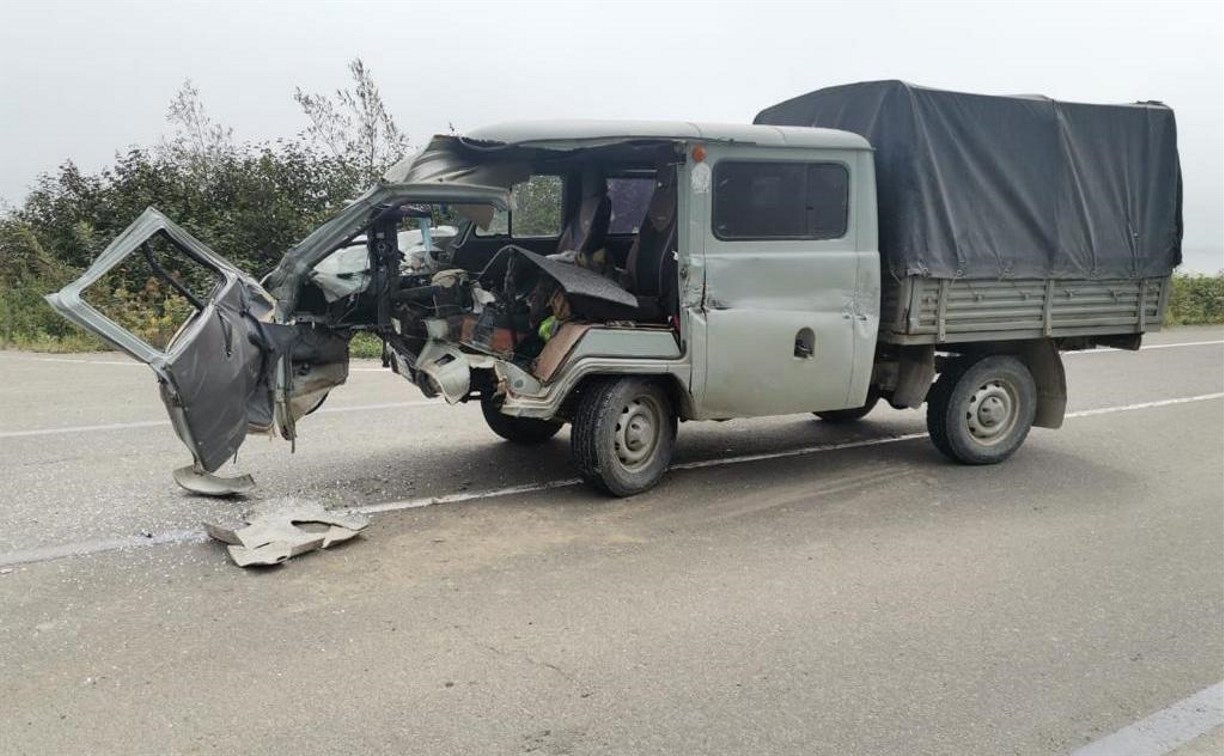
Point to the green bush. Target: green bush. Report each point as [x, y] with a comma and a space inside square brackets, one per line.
[366, 346]
[1196, 299]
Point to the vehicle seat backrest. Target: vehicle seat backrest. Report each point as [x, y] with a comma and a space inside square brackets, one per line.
[586, 229]
[647, 264]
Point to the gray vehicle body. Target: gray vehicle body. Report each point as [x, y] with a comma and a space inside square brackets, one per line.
[761, 326]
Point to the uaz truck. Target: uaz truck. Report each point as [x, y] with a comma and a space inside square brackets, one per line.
[863, 242]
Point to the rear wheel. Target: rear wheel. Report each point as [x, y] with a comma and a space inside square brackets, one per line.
[623, 435]
[854, 413]
[517, 430]
[981, 409]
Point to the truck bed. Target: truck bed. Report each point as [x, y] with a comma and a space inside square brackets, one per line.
[918, 310]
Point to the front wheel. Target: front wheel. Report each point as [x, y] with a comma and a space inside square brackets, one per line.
[981, 409]
[517, 430]
[623, 435]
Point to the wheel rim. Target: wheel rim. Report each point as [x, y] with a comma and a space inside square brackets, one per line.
[992, 411]
[638, 432]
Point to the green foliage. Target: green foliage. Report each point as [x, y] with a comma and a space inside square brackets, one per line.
[250, 203]
[365, 346]
[1196, 299]
[537, 209]
[251, 206]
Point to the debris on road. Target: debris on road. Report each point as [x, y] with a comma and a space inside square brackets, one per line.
[283, 528]
[207, 484]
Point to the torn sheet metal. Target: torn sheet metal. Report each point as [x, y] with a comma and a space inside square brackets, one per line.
[208, 484]
[580, 282]
[283, 528]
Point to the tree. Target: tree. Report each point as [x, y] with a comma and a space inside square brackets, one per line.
[197, 139]
[354, 125]
[251, 202]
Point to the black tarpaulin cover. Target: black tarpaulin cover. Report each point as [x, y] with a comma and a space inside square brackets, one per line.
[977, 186]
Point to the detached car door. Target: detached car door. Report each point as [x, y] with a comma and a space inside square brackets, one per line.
[216, 372]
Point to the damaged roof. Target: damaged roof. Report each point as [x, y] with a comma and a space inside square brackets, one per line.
[557, 133]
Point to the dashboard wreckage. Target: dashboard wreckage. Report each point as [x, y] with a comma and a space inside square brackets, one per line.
[622, 276]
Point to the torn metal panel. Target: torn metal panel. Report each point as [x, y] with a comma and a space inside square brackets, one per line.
[207, 484]
[284, 282]
[580, 282]
[281, 529]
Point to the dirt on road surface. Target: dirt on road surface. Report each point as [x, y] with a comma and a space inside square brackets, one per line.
[791, 587]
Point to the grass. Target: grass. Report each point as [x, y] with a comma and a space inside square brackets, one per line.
[365, 346]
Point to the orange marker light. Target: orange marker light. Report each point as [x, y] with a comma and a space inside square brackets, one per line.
[698, 153]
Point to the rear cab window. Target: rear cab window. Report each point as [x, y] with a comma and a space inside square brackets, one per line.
[762, 200]
[629, 196]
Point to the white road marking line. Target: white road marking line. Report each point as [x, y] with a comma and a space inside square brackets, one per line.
[48, 553]
[393, 506]
[85, 548]
[83, 429]
[69, 360]
[159, 423]
[1146, 405]
[455, 498]
[1175, 345]
[399, 405]
[388, 405]
[133, 363]
[1165, 730]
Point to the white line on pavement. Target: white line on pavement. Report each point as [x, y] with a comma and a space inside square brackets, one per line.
[1165, 730]
[94, 547]
[134, 363]
[70, 361]
[390, 405]
[60, 551]
[158, 423]
[740, 459]
[83, 428]
[1175, 345]
[1145, 405]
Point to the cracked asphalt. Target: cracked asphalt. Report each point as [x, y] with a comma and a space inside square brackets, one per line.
[861, 600]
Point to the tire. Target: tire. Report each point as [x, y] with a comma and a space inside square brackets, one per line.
[527, 431]
[623, 435]
[841, 416]
[981, 409]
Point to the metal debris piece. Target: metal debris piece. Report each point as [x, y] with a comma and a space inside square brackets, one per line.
[282, 528]
[207, 484]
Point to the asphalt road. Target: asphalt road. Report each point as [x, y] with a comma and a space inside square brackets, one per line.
[773, 595]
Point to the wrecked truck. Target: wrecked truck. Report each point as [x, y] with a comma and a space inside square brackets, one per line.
[866, 242]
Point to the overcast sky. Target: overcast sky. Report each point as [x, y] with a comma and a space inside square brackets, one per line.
[82, 79]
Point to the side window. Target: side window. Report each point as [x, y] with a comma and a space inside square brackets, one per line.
[537, 210]
[828, 193]
[780, 200]
[630, 196]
